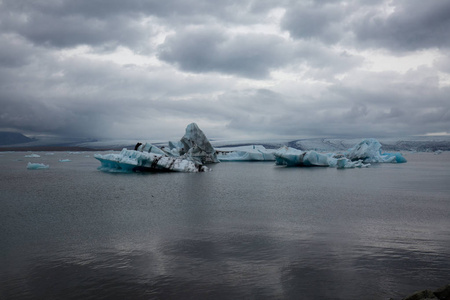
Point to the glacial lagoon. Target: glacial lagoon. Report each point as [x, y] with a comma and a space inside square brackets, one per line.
[244, 230]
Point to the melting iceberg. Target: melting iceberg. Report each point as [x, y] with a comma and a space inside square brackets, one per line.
[132, 161]
[32, 155]
[365, 152]
[189, 155]
[36, 166]
[197, 146]
[246, 153]
[369, 151]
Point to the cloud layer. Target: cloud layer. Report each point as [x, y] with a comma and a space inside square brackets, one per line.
[240, 69]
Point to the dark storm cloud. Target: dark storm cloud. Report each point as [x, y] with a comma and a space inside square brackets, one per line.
[325, 62]
[110, 23]
[242, 67]
[306, 20]
[13, 54]
[49, 24]
[210, 50]
[400, 25]
[414, 25]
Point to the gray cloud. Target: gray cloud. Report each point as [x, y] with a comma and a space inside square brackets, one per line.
[14, 53]
[317, 20]
[400, 25]
[107, 24]
[413, 25]
[45, 25]
[210, 50]
[238, 68]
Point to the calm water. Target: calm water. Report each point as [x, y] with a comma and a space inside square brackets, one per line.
[242, 231]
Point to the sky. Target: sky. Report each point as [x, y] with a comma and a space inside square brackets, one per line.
[240, 69]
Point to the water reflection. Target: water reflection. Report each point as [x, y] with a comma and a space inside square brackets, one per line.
[235, 266]
[228, 234]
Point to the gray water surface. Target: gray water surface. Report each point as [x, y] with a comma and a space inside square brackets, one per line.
[242, 231]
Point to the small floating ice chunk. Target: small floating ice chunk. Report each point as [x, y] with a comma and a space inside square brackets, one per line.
[36, 166]
[64, 160]
[344, 163]
[398, 157]
[32, 155]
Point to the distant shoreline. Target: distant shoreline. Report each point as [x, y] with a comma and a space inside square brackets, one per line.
[55, 148]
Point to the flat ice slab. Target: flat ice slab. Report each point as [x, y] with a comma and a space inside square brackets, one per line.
[132, 160]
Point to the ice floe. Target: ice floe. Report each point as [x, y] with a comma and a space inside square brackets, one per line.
[36, 166]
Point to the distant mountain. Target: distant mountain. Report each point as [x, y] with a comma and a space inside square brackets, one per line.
[19, 142]
[11, 138]
[415, 143]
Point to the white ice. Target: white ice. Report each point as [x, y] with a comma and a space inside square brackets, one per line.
[246, 153]
[365, 152]
[369, 151]
[149, 148]
[131, 160]
[197, 146]
[32, 155]
[293, 157]
[345, 163]
[188, 155]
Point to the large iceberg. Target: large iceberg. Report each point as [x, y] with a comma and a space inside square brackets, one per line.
[246, 153]
[189, 155]
[132, 161]
[361, 155]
